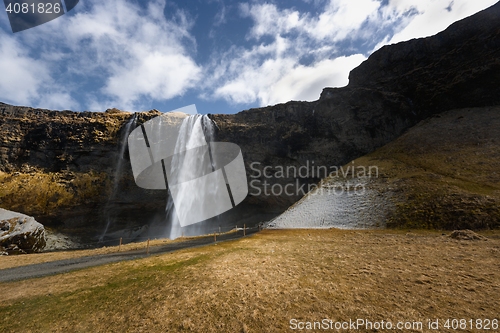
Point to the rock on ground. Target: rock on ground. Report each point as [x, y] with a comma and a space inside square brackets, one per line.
[466, 235]
[20, 233]
[58, 241]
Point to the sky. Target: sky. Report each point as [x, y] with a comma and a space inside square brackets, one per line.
[224, 56]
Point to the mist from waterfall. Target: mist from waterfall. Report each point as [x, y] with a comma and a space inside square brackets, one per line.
[129, 126]
[196, 131]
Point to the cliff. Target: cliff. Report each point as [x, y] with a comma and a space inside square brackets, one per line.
[395, 88]
[60, 166]
[440, 174]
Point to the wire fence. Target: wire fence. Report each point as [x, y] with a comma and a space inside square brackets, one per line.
[218, 233]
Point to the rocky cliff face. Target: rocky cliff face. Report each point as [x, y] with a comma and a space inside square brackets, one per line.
[60, 166]
[395, 88]
[440, 174]
[455, 68]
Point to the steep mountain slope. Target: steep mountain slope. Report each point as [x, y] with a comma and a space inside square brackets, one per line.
[443, 173]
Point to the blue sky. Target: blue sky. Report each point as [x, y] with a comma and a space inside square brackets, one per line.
[224, 56]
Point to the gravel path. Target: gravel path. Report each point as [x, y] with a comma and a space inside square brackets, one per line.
[67, 265]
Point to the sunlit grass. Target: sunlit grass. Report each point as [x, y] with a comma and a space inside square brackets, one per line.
[261, 282]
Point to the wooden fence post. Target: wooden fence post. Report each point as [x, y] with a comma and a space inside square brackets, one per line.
[120, 246]
[244, 229]
[147, 251]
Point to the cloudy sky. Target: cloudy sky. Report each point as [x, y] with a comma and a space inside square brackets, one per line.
[224, 56]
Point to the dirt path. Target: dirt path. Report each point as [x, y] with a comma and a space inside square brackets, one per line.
[68, 265]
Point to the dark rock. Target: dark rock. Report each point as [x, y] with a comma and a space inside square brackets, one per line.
[453, 69]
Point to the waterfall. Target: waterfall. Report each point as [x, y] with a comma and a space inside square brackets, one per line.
[196, 131]
[118, 171]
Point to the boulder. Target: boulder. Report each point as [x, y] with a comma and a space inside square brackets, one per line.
[466, 235]
[20, 233]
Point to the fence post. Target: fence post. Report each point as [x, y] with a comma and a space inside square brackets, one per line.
[244, 229]
[120, 246]
[147, 250]
[219, 230]
[215, 237]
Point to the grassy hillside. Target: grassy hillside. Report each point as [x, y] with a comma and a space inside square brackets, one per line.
[445, 171]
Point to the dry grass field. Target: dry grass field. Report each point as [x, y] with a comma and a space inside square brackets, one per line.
[260, 283]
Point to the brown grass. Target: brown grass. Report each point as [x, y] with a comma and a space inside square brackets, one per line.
[258, 284]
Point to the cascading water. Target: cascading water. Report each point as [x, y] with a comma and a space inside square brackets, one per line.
[196, 130]
[130, 125]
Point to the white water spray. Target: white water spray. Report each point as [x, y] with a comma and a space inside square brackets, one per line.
[118, 170]
[196, 131]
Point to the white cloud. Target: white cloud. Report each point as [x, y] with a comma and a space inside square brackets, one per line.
[128, 54]
[308, 52]
[433, 16]
[244, 76]
[55, 100]
[306, 82]
[142, 54]
[22, 77]
[339, 19]
[269, 20]
[280, 79]
[156, 75]
[255, 83]
[277, 71]
[27, 81]
[342, 19]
